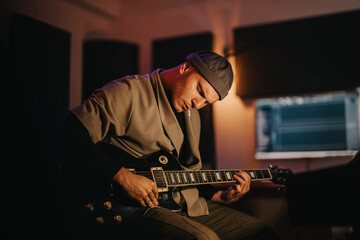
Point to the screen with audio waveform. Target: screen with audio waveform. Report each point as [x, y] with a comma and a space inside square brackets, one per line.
[307, 126]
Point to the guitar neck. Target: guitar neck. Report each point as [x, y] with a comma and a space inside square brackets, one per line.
[186, 178]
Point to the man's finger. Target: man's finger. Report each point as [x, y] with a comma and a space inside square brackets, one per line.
[142, 203]
[153, 199]
[244, 175]
[155, 191]
[236, 188]
[148, 202]
[240, 180]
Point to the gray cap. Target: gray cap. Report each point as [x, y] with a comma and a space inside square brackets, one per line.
[215, 69]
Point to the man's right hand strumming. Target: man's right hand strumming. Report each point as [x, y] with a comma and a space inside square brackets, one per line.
[139, 188]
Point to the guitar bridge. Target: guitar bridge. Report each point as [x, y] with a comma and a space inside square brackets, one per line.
[159, 179]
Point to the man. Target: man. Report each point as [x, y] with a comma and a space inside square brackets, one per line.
[144, 114]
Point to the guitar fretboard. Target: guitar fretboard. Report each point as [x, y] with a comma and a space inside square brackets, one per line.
[185, 178]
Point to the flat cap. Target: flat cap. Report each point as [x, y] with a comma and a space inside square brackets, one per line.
[215, 69]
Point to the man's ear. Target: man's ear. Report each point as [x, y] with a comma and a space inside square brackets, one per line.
[185, 67]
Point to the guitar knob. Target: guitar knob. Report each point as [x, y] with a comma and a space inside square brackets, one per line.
[118, 219]
[107, 205]
[163, 160]
[163, 197]
[99, 220]
[90, 207]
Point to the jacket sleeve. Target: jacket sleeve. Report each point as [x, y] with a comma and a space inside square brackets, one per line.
[107, 112]
[207, 191]
[81, 155]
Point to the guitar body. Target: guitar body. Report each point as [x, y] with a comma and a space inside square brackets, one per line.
[108, 203]
[147, 164]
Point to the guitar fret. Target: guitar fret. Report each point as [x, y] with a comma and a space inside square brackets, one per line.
[200, 177]
[201, 180]
[218, 176]
[174, 178]
[214, 177]
[252, 174]
[181, 175]
[197, 177]
[173, 181]
[222, 174]
[258, 174]
[203, 174]
[168, 177]
[178, 178]
[192, 178]
[211, 174]
[266, 174]
[185, 178]
[208, 176]
[228, 176]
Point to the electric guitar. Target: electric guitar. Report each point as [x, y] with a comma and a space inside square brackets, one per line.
[114, 207]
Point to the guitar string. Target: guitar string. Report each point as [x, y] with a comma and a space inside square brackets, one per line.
[209, 175]
[198, 182]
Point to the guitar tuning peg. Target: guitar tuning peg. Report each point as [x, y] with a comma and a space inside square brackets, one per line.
[99, 220]
[90, 207]
[118, 219]
[274, 168]
[107, 205]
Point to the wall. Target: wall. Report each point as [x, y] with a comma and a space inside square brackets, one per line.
[142, 21]
[77, 19]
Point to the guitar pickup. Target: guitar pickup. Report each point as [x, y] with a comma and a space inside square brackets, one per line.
[159, 179]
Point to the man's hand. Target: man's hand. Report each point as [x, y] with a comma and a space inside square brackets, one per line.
[139, 188]
[235, 191]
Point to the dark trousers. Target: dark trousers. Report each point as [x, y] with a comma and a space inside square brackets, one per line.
[222, 223]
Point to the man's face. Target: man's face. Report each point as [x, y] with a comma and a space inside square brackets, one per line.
[191, 91]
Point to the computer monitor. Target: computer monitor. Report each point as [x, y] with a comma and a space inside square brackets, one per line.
[321, 125]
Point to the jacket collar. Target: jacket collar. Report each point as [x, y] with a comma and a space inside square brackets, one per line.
[167, 116]
[172, 127]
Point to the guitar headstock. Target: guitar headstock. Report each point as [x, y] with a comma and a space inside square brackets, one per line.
[280, 175]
